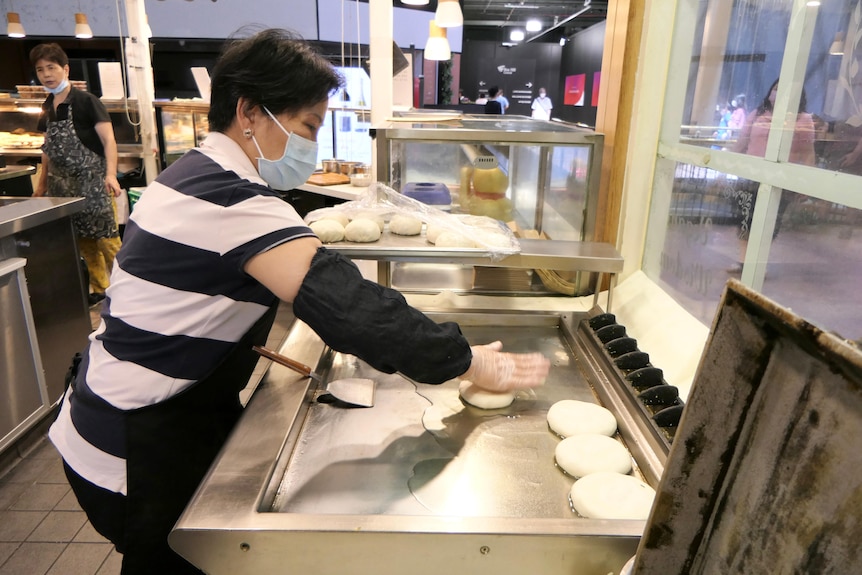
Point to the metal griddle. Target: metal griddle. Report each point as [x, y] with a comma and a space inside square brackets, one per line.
[418, 484]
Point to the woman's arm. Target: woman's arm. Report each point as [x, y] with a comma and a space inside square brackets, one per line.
[106, 134]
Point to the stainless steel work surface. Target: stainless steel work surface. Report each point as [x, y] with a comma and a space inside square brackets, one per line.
[419, 483]
[420, 450]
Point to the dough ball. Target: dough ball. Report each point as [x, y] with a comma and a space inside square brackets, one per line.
[608, 495]
[478, 397]
[376, 218]
[571, 417]
[362, 231]
[432, 231]
[449, 239]
[405, 225]
[339, 217]
[581, 455]
[328, 230]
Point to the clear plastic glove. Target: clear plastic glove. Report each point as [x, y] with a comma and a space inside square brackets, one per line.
[493, 370]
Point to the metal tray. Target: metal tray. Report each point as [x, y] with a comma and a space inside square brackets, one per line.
[419, 482]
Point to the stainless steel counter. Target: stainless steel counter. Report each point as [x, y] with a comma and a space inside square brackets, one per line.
[39, 231]
[19, 214]
[420, 483]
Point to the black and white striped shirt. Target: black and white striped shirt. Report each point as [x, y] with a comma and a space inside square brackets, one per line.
[178, 300]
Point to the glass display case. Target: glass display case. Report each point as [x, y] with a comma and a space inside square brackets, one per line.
[182, 125]
[542, 177]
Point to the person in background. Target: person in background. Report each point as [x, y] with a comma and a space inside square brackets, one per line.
[753, 139]
[209, 252]
[79, 159]
[462, 98]
[542, 106]
[493, 104]
[504, 102]
[737, 115]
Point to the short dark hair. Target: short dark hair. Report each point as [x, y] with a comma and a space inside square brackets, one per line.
[51, 52]
[492, 91]
[272, 68]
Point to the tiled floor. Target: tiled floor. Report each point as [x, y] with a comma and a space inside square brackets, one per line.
[42, 529]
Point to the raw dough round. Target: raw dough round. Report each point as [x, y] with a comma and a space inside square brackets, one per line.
[328, 230]
[374, 217]
[362, 231]
[403, 225]
[478, 397]
[608, 495]
[449, 239]
[571, 417]
[432, 231]
[338, 217]
[587, 453]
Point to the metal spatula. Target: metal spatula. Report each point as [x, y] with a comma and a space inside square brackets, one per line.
[353, 390]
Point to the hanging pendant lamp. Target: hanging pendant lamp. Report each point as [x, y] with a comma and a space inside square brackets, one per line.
[437, 47]
[448, 14]
[14, 29]
[82, 28]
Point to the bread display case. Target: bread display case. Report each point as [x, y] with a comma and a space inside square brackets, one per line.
[21, 143]
[543, 177]
[182, 125]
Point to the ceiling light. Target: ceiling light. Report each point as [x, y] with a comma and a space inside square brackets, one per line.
[448, 14]
[813, 3]
[415, 2]
[533, 25]
[82, 29]
[437, 47]
[563, 41]
[516, 35]
[14, 29]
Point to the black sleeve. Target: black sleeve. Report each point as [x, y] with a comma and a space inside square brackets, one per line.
[356, 316]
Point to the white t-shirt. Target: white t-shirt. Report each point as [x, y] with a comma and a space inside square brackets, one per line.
[542, 108]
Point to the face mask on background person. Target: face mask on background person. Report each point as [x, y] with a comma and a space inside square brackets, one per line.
[60, 87]
[294, 167]
[541, 94]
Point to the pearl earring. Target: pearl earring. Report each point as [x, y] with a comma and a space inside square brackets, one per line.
[247, 133]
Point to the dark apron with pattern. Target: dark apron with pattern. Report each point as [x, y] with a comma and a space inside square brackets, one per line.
[170, 447]
[79, 172]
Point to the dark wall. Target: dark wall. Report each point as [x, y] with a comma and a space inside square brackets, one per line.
[581, 55]
[518, 70]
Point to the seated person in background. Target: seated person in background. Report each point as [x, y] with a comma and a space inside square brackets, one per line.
[462, 98]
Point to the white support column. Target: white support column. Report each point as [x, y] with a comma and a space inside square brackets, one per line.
[380, 22]
[142, 68]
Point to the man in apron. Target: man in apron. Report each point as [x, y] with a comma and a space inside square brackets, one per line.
[79, 159]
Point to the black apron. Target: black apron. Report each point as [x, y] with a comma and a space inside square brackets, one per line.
[79, 172]
[172, 444]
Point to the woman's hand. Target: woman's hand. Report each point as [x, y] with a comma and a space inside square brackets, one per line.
[493, 370]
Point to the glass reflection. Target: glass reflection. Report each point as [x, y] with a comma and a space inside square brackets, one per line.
[814, 265]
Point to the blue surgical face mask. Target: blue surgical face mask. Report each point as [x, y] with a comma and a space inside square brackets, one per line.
[60, 87]
[295, 165]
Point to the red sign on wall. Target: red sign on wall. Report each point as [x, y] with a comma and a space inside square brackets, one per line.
[597, 80]
[575, 85]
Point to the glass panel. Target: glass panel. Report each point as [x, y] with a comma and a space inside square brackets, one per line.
[834, 85]
[541, 187]
[737, 54]
[179, 134]
[815, 263]
[705, 237]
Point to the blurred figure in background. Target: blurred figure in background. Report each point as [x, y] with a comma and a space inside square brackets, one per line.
[542, 106]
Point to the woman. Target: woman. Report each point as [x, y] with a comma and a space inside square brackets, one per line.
[209, 251]
[79, 159]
